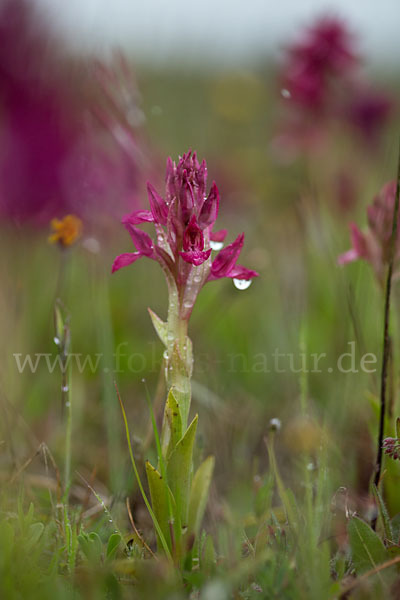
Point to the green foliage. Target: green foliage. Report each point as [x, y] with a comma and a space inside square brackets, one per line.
[199, 495]
[367, 548]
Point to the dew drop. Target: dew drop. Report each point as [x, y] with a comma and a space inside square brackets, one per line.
[56, 341]
[216, 245]
[285, 94]
[242, 284]
[64, 388]
[187, 304]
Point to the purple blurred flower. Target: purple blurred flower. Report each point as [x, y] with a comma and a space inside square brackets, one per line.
[55, 157]
[183, 222]
[368, 112]
[374, 245]
[325, 52]
[321, 82]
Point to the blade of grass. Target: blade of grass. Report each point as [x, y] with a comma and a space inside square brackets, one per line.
[146, 500]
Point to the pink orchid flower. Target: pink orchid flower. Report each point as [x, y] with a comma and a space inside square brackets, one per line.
[184, 222]
[374, 245]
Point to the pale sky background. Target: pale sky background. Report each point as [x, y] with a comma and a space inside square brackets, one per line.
[217, 31]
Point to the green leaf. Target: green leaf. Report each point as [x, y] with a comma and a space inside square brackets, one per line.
[159, 501]
[112, 546]
[179, 470]
[395, 524]
[6, 542]
[92, 547]
[199, 494]
[208, 555]
[383, 512]
[172, 425]
[160, 326]
[367, 548]
[34, 534]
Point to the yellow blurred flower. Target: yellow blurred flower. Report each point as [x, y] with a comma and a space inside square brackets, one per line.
[66, 231]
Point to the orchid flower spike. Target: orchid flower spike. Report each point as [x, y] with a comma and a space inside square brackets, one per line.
[184, 220]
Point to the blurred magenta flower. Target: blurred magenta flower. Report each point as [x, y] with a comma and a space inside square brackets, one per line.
[374, 245]
[184, 223]
[56, 155]
[368, 111]
[325, 52]
[322, 83]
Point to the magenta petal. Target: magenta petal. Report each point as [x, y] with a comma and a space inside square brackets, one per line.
[193, 238]
[226, 259]
[218, 236]
[123, 260]
[347, 257]
[239, 272]
[196, 257]
[139, 216]
[359, 241]
[159, 208]
[209, 212]
[141, 239]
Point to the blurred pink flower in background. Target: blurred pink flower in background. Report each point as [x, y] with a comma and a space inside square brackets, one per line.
[321, 82]
[374, 245]
[324, 52]
[59, 151]
[368, 111]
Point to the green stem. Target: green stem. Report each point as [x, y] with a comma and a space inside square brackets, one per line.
[386, 337]
[66, 392]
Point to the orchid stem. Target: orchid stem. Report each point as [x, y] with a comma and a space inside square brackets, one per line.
[386, 337]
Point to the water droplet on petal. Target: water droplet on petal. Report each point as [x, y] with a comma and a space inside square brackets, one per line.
[216, 245]
[285, 94]
[242, 284]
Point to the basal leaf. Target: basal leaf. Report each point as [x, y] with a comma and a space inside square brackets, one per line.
[112, 546]
[159, 502]
[179, 471]
[366, 546]
[199, 494]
